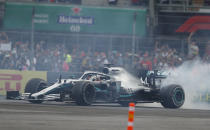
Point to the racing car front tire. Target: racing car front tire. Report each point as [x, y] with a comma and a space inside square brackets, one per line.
[172, 96]
[35, 85]
[83, 93]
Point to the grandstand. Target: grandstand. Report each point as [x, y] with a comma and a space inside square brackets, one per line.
[128, 33]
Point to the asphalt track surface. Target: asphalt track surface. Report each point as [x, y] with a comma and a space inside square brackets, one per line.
[21, 115]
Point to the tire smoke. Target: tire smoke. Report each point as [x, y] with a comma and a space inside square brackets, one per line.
[128, 81]
[194, 77]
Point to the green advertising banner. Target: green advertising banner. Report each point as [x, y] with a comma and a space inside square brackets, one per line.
[72, 18]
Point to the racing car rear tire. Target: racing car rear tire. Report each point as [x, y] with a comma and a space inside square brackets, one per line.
[35, 85]
[83, 93]
[172, 96]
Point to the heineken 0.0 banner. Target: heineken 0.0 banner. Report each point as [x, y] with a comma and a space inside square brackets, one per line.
[71, 18]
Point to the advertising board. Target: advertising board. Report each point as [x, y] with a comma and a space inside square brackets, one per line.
[14, 80]
[74, 19]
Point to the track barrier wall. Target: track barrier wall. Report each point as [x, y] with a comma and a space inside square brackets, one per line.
[14, 80]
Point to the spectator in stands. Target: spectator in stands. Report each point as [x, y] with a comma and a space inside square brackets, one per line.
[48, 58]
[193, 50]
[162, 64]
[101, 60]
[119, 59]
[3, 38]
[127, 61]
[68, 58]
[65, 66]
[146, 62]
[104, 60]
[85, 63]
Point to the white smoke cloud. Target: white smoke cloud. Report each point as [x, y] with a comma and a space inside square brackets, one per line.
[194, 77]
[127, 79]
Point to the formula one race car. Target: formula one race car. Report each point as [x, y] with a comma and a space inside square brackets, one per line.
[113, 85]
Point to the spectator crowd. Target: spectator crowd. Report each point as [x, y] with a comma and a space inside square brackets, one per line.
[58, 58]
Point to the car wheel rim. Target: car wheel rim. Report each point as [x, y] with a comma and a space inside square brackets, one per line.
[178, 96]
